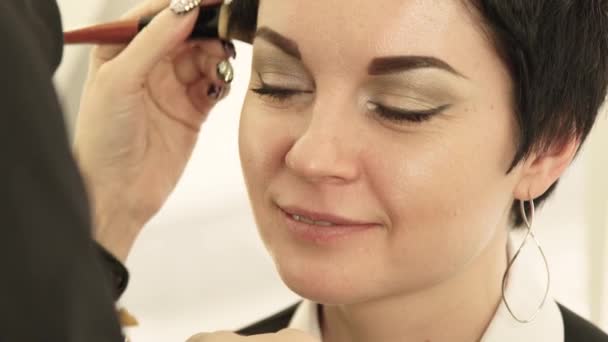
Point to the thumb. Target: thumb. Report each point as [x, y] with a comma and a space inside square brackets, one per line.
[295, 335]
[162, 35]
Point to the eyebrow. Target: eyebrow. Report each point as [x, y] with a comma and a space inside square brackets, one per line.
[287, 45]
[387, 65]
[378, 66]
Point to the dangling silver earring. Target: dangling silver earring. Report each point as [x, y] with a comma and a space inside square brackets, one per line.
[529, 235]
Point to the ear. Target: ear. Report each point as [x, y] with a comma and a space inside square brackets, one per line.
[540, 170]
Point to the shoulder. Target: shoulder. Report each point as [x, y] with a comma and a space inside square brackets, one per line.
[30, 38]
[271, 324]
[34, 26]
[577, 328]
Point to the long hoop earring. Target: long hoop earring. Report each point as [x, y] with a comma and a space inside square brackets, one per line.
[529, 235]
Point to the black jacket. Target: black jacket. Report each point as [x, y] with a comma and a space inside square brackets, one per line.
[576, 329]
[53, 285]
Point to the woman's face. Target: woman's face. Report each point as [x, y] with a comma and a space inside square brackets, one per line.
[389, 124]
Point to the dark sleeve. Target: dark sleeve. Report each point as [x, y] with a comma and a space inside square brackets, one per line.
[272, 324]
[578, 329]
[53, 284]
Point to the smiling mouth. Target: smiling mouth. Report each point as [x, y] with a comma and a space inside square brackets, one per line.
[304, 219]
[321, 219]
[323, 228]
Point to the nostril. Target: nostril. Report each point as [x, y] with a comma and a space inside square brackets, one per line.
[318, 170]
[319, 155]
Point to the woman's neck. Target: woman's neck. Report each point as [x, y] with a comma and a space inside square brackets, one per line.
[459, 309]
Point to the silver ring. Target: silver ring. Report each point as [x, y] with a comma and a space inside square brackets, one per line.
[225, 71]
[184, 6]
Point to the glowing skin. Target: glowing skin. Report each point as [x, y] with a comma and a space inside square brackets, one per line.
[434, 191]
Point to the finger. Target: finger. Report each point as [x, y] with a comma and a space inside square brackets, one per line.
[197, 59]
[211, 47]
[104, 53]
[294, 335]
[211, 84]
[186, 67]
[214, 47]
[164, 33]
[204, 95]
[226, 93]
[223, 336]
[208, 66]
[219, 70]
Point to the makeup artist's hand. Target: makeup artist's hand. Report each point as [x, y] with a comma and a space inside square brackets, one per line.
[139, 119]
[287, 335]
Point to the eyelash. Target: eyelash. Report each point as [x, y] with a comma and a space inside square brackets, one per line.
[278, 94]
[415, 116]
[392, 114]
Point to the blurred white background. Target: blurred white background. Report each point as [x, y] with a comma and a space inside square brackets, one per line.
[200, 266]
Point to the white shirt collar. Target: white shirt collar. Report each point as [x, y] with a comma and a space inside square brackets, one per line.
[306, 318]
[547, 326]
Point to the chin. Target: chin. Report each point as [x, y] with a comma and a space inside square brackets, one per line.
[321, 284]
[324, 292]
[337, 274]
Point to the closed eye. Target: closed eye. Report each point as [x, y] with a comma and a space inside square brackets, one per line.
[276, 93]
[400, 114]
[279, 94]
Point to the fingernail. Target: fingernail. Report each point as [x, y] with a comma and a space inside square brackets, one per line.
[229, 48]
[184, 6]
[225, 71]
[215, 91]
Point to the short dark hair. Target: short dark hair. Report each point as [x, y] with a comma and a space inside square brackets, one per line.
[557, 54]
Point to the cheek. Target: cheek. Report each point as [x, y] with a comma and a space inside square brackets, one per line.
[439, 173]
[263, 142]
[445, 192]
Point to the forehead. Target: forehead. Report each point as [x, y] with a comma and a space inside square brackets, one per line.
[351, 32]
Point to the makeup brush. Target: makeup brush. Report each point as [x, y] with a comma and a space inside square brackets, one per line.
[231, 20]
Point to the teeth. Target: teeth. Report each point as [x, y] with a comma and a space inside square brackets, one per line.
[309, 221]
[303, 219]
[324, 223]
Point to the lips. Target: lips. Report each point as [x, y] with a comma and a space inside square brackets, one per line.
[320, 218]
[324, 228]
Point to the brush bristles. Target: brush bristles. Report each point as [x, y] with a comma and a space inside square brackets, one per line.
[243, 20]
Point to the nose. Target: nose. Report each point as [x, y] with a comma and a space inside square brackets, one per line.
[326, 151]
